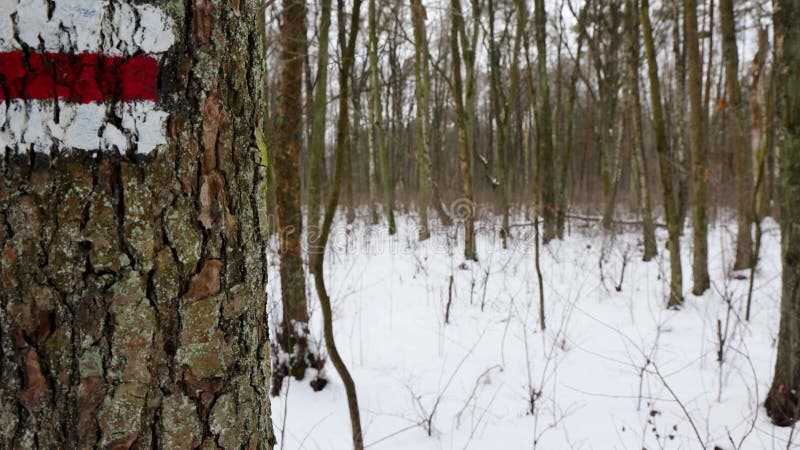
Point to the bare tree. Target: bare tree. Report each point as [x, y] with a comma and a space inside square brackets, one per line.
[697, 121]
[741, 150]
[670, 207]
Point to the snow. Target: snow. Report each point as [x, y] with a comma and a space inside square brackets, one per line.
[588, 372]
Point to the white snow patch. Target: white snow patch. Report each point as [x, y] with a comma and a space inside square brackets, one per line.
[389, 296]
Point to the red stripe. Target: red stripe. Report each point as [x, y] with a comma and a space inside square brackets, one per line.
[79, 78]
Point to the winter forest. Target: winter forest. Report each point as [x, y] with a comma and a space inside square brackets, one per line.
[433, 224]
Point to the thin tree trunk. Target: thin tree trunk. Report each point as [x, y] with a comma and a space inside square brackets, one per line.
[317, 147]
[760, 122]
[428, 185]
[698, 144]
[463, 208]
[664, 162]
[348, 45]
[782, 401]
[502, 112]
[566, 154]
[349, 174]
[545, 151]
[741, 150]
[422, 89]
[635, 110]
[132, 306]
[682, 169]
[760, 138]
[376, 119]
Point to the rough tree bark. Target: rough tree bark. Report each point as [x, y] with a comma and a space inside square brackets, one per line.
[670, 207]
[132, 288]
[782, 400]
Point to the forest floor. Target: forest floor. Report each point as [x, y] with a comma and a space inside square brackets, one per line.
[612, 369]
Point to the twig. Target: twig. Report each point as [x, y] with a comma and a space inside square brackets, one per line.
[680, 403]
[474, 390]
[449, 301]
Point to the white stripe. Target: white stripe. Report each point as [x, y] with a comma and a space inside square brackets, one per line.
[111, 27]
[35, 124]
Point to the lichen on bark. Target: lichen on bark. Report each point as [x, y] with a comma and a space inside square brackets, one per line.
[132, 305]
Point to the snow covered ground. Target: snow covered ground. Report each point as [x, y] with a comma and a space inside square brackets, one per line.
[613, 369]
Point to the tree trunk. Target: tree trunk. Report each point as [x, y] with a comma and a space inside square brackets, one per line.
[431, 183]
[376, 118]
[463, 209]
[316, 167]
[742, 158]
[292, 335]
[347, 44]
[566, 154]
[761, 125]
[635, 110]
[782, 400]
[682, 169]
[422, 89]
[132, 292]
[545, 151]
[664, 163]
[502, 111]
[698, 145]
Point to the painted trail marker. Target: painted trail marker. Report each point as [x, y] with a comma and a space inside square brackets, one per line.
[84, 77]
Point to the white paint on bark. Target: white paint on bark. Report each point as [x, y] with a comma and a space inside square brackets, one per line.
[110, 27]
[34, 125]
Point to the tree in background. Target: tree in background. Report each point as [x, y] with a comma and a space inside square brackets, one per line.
[292, 334]
[670, 208]
[634, 110]
[316, 167]
[545, 151]
[347, 43]
[462, 47]
[742, 155]
[697, 123]
[378, 139]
